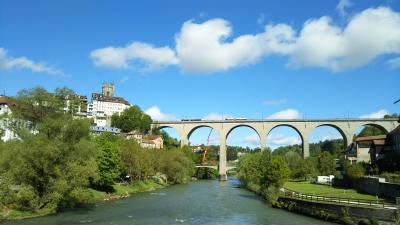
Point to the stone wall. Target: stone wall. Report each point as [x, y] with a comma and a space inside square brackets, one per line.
[372, 186]
[333, 211]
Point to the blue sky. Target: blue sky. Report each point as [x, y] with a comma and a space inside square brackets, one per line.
[212, 59]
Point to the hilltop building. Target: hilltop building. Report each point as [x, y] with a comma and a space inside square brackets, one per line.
[104, 105]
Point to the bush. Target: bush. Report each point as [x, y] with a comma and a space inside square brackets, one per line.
[354, 171]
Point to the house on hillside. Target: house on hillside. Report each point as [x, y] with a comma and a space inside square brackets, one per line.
[368, 149]
[146, 141]
[153, 141]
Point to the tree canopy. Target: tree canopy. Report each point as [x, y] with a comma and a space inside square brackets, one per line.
[132, 118]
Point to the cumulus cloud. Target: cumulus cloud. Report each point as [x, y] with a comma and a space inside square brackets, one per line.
[376, 115]
[394, 63]
[341, 7]
[369, 34]
[156, 114]
[216, 116]
[272, 102]
[210, 46]
[148, 56]
[280, 140]
[10, 63]
[286, 114]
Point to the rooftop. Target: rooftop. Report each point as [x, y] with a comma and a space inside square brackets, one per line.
[103, 98]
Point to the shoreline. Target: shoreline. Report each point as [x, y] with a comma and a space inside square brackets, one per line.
[121, 191]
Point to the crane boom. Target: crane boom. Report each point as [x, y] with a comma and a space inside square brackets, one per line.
[203, 159]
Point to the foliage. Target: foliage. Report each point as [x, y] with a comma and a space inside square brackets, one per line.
[138, 163]
[169, 142]
[36, 104]
[55, 164]
[132, 118]
[48, 171]
[354, 171]
[264, 170]
[370, 130]
[108, 160]
[303, 169]
[326, 164]
[177, 166]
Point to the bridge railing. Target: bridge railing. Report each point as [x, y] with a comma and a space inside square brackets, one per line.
[378, 203]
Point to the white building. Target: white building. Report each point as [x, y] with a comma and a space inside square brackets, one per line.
[80, 107]
[5, 110]
[104, 105]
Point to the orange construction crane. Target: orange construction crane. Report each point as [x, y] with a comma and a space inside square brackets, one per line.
[203, 159]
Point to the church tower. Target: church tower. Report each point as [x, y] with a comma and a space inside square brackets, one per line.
[108, 89]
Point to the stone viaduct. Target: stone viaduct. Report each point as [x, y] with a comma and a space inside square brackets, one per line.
[346, 127]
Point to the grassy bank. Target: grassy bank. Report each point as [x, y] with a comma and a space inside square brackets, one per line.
[121, 191]
[306, 187]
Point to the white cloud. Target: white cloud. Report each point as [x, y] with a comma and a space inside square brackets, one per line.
[369, 34]
[341, 7]
[146, 55]
[376, 115]
[272, 102]
[10, 63]
[156, 114]
[394, 63]
[286, 114]
[280, 140]
[216, 116]
[209, 47]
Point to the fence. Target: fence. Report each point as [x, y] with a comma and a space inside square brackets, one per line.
[379, 203]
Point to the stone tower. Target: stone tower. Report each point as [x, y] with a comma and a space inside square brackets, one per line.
[107, 89]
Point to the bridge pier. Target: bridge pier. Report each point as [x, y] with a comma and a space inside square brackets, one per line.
[222, 160]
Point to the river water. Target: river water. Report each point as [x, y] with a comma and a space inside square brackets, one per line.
[200, 202]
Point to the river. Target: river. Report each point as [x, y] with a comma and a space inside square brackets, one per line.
[200, 202]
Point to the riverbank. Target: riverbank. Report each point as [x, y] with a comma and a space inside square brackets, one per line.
[334, 212]
[121, 191]
[196, 203]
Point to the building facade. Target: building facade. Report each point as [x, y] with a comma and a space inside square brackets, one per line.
[105, 105]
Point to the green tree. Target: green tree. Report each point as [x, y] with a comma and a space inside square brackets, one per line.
[46, 172]
[304, 168]
[108, 160]
[326, 164]
[370, 130]
[354, 171]
[177, 166]
[132, 118]
[137, 162]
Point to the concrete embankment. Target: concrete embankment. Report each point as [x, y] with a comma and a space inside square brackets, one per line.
[337, 212]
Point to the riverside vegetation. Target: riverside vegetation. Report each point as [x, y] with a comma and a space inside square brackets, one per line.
[58, 164]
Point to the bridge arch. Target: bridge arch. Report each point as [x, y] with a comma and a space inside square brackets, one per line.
[202, 126]
[336, 128]
[378, 126]
[290, 126]
[175, 129]
[242, 125]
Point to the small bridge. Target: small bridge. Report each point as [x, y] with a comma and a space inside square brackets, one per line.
[346, 127]
[215, 167]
